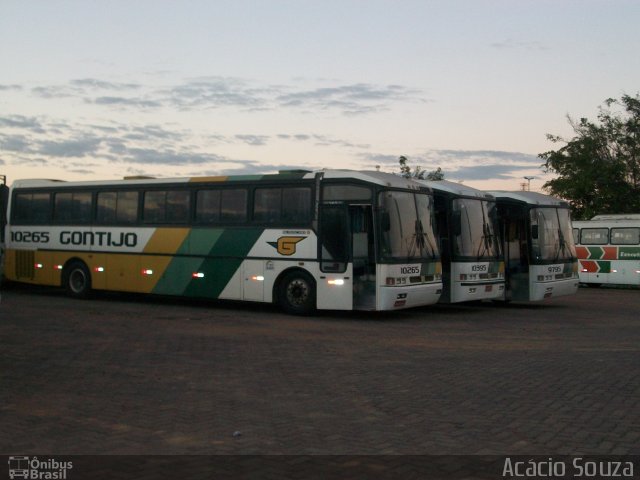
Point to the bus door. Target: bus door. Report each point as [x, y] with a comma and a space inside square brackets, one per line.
[363, 255]
[516, 255]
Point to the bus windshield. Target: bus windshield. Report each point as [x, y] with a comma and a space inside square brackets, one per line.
[407, 226]
[476, 237]
[551, 235]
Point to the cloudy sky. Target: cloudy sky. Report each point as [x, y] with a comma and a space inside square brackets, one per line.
[103, 89]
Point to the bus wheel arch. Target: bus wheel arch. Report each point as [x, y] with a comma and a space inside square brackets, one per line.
[295, 291]
[76, 278]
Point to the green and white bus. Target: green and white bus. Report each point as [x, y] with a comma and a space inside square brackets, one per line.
[331, 239]
[537, 241]
[467, 231]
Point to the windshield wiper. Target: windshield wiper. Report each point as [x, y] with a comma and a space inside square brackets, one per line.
[485, 240]
[562, 247]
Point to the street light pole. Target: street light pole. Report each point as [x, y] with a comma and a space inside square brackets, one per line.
[528, 179]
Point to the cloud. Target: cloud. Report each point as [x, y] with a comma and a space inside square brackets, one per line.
[125, 102]
[168, 157]
[55, 91]
[10, 87]
[78, 147]
[255, 140]
[354, 99]
[463, 164]
[487, 172]
[20, 121]
[94, 83]
[15, 143]
[216, 92]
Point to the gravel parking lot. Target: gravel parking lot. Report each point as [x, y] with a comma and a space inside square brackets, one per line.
[123, 374]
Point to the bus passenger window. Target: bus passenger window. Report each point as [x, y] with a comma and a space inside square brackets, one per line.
[296, 204]
[208, 206]
[625, 236]
[72, 207]
[170, 206]
[221, 205]
[594, 236]
[32, 208]
[267, 205]
[117, 207]
[233, 206]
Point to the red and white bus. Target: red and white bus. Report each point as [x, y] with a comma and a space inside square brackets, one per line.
[608, 248]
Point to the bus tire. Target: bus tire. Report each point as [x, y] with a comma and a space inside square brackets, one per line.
[297, 293]
[76, 280]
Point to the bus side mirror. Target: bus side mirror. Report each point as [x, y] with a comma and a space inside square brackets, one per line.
[534, 232]
[456, 223]
[385, 222]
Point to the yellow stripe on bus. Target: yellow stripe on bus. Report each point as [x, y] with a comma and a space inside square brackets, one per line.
[208, 179]
[166, 240]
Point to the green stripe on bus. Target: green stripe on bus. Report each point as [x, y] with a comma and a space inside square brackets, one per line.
[595, 253]
[213, 252]
[629, 253]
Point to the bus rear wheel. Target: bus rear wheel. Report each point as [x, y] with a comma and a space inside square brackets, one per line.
[76, 279]
[297, 293]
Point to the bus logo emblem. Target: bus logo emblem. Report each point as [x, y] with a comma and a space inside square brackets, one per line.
[286, 245]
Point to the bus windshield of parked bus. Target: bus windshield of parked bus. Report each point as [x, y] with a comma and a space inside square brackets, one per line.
[551, 235]
[475, 229]
[407, 226]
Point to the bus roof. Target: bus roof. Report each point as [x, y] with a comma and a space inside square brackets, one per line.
[530, 198]
[456, 189]
[375, 177]
[618, 216]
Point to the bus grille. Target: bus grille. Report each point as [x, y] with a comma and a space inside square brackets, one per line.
[25, 264]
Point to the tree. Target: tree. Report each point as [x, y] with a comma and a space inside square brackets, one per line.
[418, 172]
[598, 170]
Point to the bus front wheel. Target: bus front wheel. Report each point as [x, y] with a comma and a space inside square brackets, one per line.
[76, 280]
[297, 293]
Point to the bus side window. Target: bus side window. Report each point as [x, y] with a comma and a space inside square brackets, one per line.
[32, 208]
[625, 236]
[594, 236]
[72, 207]
[117, 207]
[227, 205]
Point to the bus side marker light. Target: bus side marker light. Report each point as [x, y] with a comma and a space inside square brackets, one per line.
[58, 267]
[197, 275]
[98, 269]
[147, 271]
[258, 278]
[337, 281]
[38, 265]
